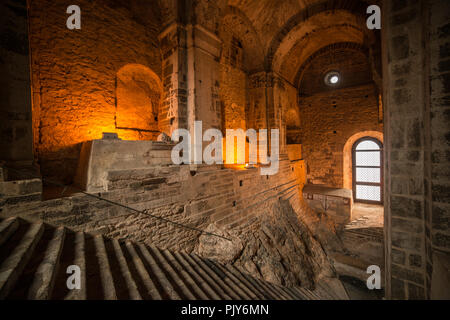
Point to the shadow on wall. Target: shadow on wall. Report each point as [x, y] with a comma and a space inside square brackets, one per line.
[280, 249]
[347, 154]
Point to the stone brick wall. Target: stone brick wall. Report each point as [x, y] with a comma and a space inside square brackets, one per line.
[327, 121]
[74, 73]
[416, 101]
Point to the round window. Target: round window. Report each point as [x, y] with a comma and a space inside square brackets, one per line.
[332, 78]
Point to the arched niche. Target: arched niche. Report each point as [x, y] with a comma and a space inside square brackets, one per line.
[138, 96]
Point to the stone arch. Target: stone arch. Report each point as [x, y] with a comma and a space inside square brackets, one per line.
[347, 154]
[138, 96]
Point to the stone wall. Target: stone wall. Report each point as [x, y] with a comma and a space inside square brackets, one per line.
[74, 74]
[416, 89]
[328, 120]
[349, 59]
[239, 204]
[233, 97]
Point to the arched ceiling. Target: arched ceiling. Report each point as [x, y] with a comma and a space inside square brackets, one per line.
[269, 16]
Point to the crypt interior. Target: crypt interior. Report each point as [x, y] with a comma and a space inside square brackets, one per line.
[87, 178]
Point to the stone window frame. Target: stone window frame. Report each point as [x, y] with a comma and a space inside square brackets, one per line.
[381, 166]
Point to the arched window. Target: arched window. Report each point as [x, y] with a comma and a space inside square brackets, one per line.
[367, 170]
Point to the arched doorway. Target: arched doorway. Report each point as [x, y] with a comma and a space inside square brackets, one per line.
[367, 156]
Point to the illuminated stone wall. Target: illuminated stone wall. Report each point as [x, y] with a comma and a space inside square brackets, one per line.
[331, 115]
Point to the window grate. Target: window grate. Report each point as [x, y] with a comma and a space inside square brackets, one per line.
[367, 170]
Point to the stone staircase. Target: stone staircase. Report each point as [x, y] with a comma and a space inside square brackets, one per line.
[34, 258]
[362, 247]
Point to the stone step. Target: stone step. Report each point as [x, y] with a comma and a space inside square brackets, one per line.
[228, 280]
[228, 292]
[310, 295]
[182, 289]
[168, 290]
[80, 261]
[252, 295]
[260, 292]
[220, 290]
[197, 277]
[198, 287]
